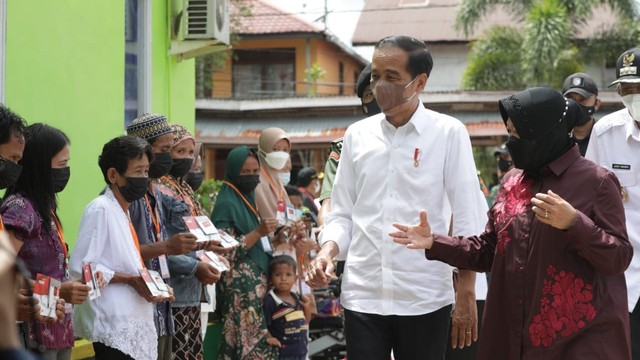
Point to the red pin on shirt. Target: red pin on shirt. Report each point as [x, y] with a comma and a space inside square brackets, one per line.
[416, 157]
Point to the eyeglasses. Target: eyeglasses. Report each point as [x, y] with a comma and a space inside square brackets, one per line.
[628, 88]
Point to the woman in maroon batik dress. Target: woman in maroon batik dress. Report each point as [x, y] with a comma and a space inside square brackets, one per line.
[556, 244]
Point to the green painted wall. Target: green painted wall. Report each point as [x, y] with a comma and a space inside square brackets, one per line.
[65, 67]
[173, 80]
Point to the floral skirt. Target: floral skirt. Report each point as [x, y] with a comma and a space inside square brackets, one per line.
[187, 341]
[244, 331]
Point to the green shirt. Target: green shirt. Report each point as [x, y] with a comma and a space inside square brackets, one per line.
[330, 169]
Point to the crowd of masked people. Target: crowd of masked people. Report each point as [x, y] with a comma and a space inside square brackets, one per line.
[137, 222]
[398, 205]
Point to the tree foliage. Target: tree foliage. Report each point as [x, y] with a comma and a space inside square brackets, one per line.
[545, 52]
[495, 61]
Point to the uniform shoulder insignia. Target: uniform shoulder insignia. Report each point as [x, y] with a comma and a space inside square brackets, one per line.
[336, 148]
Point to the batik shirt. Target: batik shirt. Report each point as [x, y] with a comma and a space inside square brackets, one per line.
[42, 253]
[553, 294]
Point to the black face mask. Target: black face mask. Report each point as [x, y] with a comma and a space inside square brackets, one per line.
[134, 189]
[9, 173]
[60, 178]
[586, 113]
[161, 165]
[247, 183]
[195, 180]
[371, 108]
[523, 152]
[181, 167]
[504, 165]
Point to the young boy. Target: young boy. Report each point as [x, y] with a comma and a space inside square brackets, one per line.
[287, 314]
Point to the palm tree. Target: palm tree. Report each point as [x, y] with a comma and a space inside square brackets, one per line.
[545, 52]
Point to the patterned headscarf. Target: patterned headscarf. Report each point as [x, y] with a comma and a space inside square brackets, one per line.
[149, 126]
[180, 134]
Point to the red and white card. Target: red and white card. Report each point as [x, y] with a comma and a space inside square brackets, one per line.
[47, 291]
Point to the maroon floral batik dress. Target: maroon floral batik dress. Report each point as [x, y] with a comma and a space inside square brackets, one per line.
[553, 294]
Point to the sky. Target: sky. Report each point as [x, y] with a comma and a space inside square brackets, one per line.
[342, 17]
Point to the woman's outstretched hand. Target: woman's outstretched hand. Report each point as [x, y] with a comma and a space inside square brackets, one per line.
[414, 236]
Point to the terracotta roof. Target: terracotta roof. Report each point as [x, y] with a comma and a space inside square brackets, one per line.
[486, 128]
[267, 18]
[435, 21]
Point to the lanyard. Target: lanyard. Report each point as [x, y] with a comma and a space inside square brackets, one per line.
[154, 217]
[1, 224]
[61, 236]
[253, 210]
[272, 184]
[136, 242]
[185, 196]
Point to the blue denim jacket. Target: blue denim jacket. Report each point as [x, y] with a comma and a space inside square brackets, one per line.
[188, 291]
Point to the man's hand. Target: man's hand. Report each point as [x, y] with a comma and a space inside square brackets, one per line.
[415, 236]
[464, 320]
[74, 292]
[553, 210]
[320, 271]
[207, 274]
[183, 243]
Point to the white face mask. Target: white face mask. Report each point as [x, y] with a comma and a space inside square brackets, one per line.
[285, 177]
[277, 159]
[632, 103]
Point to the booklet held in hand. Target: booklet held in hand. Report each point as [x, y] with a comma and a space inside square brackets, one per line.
[89, 277]
[47, 291]
[204, 230]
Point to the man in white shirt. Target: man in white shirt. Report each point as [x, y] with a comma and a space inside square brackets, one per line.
[393, 163]
[615, 145]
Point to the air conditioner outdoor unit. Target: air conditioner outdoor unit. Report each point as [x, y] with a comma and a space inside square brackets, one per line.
[206, 20]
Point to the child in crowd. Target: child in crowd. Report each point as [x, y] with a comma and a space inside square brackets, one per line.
[287, 314]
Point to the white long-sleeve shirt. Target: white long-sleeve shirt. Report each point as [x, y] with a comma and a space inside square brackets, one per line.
[119, 318]
[378, 183]
[615, 145]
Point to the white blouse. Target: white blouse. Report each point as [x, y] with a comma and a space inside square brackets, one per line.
[119, 318]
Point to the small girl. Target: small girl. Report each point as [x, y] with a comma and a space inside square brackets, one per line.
[286, 313]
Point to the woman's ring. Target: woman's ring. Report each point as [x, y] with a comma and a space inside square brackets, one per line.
[546, 214]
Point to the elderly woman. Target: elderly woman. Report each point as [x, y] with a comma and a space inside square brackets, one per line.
[244, 286]
[119, 322]
[188, 273]
[556, 244]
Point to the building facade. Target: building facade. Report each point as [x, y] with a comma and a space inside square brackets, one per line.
[88, 68]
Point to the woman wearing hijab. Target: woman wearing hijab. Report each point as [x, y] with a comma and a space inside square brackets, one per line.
[273, 151]
[195, 177]
[188, 273]
[556, 244]
[244, 286]
[30, 215]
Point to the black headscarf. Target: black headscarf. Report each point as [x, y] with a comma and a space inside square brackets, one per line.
[543, 119]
